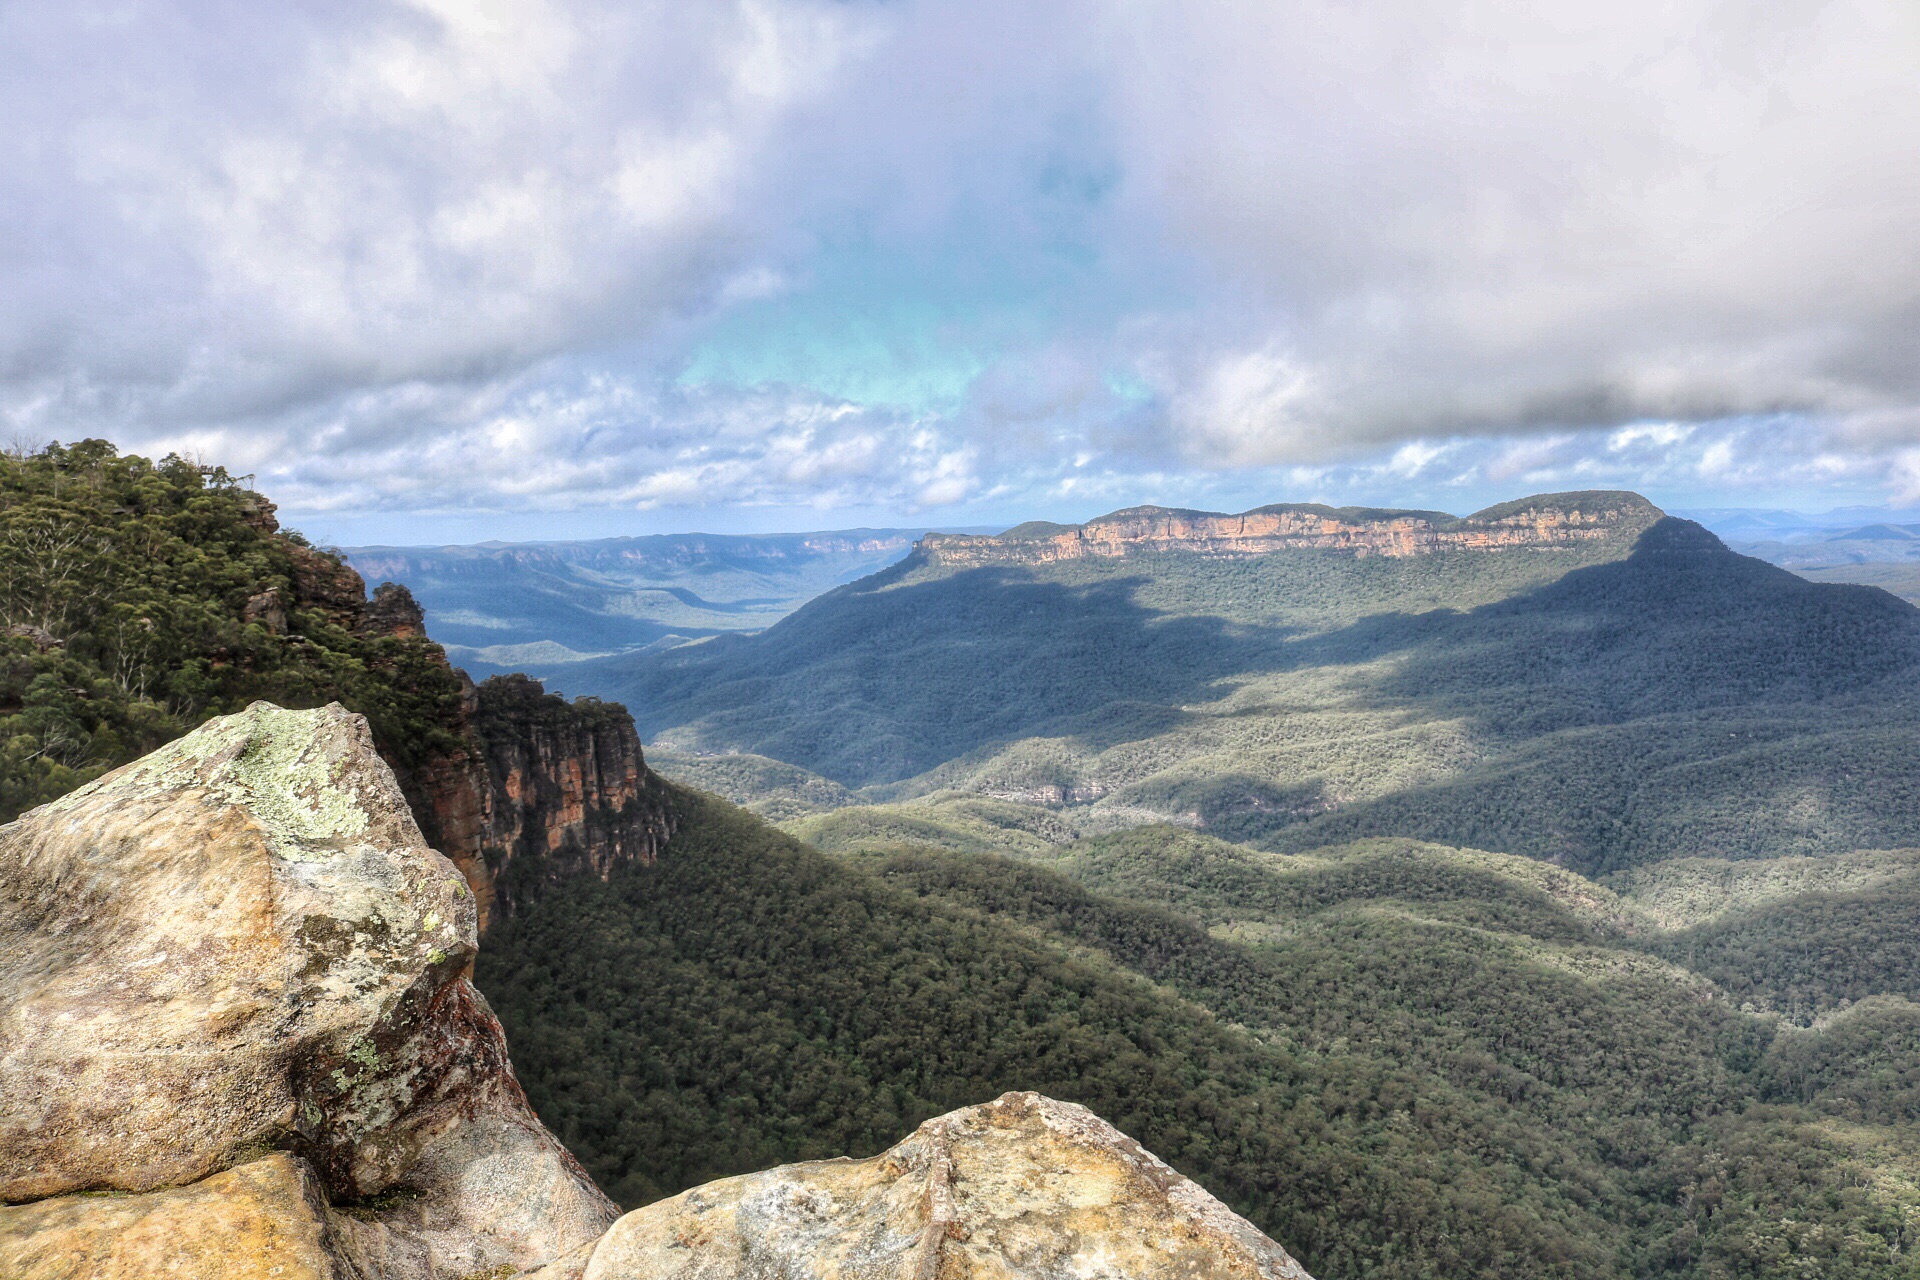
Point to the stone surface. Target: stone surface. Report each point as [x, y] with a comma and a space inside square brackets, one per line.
[265, 1218]
[392, 611]
[570, 792]
[1553, 520]
[1020, 1187]
[241, 941]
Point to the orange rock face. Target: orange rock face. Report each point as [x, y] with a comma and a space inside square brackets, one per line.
[1551, 520]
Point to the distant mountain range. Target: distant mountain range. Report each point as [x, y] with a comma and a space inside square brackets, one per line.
[539, 606]
[1856, 544]
[1576, 677]
[545, 607]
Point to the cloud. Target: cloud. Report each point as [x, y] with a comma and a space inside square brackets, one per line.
[426, 255]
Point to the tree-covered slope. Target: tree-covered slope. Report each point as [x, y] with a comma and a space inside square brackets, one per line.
[1643, 695]
[1402, 1059]
[138, 599]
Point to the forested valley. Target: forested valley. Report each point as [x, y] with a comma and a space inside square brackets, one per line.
[1539, 915]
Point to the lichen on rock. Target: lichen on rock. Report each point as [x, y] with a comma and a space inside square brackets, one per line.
[241, 942]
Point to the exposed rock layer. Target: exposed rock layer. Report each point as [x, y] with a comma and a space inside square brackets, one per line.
[264, 1218]
[543, 781]
[1022, 1187]
[1547, 521]
[241, 942]
[569, 791]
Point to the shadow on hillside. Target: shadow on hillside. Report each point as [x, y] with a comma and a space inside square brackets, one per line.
[1680, 624]
[883, 680]
[889, 677]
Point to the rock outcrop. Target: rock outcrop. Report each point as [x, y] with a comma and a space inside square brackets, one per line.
[240, 944]
[546, 786]
[569, 790]
[232, 990]
[1022, 1187]
[1551, 520]
[267, 1217]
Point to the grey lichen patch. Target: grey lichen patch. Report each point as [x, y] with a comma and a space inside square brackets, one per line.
[283, 772]
[291, 769]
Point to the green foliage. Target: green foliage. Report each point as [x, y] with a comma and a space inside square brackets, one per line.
[1641, 696]
[124, 587]
[1398, 1059]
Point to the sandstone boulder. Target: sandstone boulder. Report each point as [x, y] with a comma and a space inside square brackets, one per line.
[241, 943]
[263, 1218]
[1021, 1187]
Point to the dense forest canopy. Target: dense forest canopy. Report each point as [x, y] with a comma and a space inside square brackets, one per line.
[139, 598]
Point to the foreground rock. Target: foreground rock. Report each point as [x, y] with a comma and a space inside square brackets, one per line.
[1020, 1187]
[266, 1217]
[238, 944]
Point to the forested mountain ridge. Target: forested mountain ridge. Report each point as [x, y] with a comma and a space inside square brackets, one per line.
[138, 600]
[1634, 695]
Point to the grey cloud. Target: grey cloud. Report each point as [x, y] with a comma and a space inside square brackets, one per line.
[450, 253]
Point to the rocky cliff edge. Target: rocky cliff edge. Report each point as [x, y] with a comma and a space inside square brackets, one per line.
[1554, 520]
[239, 947]
[236, 1040]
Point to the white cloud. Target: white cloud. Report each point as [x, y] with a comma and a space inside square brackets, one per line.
[454, 253]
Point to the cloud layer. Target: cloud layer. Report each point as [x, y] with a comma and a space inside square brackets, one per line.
[441, 256]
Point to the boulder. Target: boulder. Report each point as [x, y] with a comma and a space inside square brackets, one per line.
[1020, 1187]
[240, 943]
[266, 1217]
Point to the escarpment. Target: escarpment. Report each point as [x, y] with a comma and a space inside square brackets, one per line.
[232, 988]
[569, 791]
[1551, 520]
[509, 776]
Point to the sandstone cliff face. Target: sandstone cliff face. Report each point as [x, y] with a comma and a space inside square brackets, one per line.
[1548, 521]
[240, 943]
[1020, 1187]
[547, 787]
[569, 791]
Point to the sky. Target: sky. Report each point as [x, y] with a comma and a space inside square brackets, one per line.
[446, 270]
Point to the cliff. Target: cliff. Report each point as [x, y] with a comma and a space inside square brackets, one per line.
[1550, 520]
[511, 776]
[569, 791]
[233, 992]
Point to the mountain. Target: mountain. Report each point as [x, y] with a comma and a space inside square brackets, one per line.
[1662, 1021]
[537, 607]
[1574, 677]
[1881, 555]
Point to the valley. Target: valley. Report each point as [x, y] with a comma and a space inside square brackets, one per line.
[1528, 894]
[541, 607]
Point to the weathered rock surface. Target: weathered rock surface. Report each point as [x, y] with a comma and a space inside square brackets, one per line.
[263, 1218]
[570, 792]
[241, 942]
[1021, 1187]
[1552, 520]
